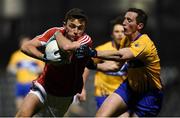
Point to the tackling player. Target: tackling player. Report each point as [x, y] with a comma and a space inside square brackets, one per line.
[53, 91]
[142, 93]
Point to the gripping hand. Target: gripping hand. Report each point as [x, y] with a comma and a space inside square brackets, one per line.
[85, 51]
[53, 56]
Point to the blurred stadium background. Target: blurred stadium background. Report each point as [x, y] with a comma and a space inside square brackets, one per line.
[33, 17]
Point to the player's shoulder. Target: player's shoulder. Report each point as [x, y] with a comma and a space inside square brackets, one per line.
[49, 33]
[54, 29]
[144, 37]
[58, 28]
[144, 40]
[85, 39]
[85, 36]
[17, 53]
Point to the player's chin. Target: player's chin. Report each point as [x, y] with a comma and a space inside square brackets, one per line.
[127, 33]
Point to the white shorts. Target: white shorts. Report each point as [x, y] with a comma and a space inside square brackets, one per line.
[39, 91]
[53, 106]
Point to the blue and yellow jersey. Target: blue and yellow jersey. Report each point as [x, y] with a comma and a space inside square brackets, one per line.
[106, 84]
[24, 67]
[144, 71]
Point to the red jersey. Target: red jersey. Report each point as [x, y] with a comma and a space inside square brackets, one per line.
[66, 79]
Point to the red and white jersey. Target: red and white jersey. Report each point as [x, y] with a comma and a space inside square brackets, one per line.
[84, 39]
[66, 79]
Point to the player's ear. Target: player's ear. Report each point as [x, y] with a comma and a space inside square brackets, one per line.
[140, 26]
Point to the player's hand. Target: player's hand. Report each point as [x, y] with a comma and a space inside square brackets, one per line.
[52, 57]
[82, 96]
[81, 51]
[85, 51]
[92, 52]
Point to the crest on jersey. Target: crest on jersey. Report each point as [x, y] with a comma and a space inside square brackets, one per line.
[136, 45]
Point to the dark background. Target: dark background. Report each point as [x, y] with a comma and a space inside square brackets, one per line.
[33, 17]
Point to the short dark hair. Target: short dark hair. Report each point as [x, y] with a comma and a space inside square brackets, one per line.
[77, 14]
[117, 20]
[142, 16]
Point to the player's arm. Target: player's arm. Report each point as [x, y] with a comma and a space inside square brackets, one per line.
[104, 66]
[83, 95]
[107, 66]
[89, 65]
[31, 48]
[66, 44]
[122, 54]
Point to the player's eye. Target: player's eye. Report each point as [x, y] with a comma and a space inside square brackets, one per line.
[72, 26]
[81, 27]
[116, 31]
[129, 20]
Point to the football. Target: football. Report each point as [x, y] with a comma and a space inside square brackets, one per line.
[54, 54]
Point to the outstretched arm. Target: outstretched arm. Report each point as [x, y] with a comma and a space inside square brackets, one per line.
[108, 66]
[122, 54]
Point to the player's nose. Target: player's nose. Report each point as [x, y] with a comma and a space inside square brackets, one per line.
[75, 33]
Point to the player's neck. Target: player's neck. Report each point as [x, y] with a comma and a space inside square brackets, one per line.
[135, 36]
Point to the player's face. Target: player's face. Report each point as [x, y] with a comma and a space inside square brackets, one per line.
[75, 28]
[118, 33]
[130, 25]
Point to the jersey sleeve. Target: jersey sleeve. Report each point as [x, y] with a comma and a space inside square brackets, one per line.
[49, 33]
[138, 47]
[86, 40]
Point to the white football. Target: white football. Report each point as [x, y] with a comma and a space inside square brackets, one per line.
[54, 54]
[52, 51]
